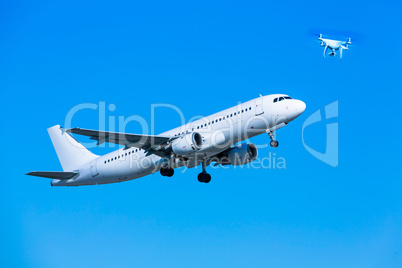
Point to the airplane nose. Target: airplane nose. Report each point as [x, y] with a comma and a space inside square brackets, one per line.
[300, 107]
[297, 109]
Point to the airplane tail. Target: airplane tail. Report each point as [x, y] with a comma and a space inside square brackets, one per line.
[70, 152]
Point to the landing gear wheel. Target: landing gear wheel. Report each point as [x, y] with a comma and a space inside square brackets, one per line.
[167, 171]
[204, 177]
[274, 143]
[170, 172]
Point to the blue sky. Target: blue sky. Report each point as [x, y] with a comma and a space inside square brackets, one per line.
[203, 57]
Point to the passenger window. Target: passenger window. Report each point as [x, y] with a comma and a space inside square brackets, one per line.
[231, 115]
[129, 152]
[209, 123]
[242, 111]
[246, 109]
[112, 159]
[216, 121]
[198, 127]
[202, 126]
[108, 160]
[220, 119]
[213, 122]
[234, 113]
[249, 108]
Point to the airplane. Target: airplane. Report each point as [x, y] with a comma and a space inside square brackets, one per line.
[212, 139]
[334, 45]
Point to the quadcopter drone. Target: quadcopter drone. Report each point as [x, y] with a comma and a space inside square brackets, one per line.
[334, 45]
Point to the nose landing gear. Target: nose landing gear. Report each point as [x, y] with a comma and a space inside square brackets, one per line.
[273, 143]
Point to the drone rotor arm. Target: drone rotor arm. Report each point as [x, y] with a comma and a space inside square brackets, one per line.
[325, 51]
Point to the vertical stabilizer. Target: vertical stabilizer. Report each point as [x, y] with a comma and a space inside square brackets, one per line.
[70, 152]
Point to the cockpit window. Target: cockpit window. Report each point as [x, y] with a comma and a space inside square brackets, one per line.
[282, 98]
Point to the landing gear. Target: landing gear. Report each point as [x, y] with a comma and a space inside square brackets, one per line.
[167, 171]
[204, 176]
[273, 143]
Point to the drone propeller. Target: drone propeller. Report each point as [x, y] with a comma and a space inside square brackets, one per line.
[334, 34]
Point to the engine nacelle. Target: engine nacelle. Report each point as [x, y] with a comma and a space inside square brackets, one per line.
[187, 144]
[242, 154]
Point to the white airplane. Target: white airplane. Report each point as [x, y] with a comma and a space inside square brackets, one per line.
[334, 45]
[209, 139]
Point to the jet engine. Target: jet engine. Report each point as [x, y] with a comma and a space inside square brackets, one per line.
[242, 154]
[187, 144]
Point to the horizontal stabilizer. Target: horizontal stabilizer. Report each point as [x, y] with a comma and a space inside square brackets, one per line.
[53, 174]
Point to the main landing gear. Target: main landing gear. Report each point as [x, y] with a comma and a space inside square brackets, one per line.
[273, 143]
[167, 171]
[204, 176]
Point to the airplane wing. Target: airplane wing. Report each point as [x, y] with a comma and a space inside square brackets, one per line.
[53, 174]
[151, 143]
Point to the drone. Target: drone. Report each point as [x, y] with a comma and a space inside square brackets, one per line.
[334, 45]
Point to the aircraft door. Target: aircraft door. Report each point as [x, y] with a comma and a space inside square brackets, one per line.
[259, 106]
[94, 170]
